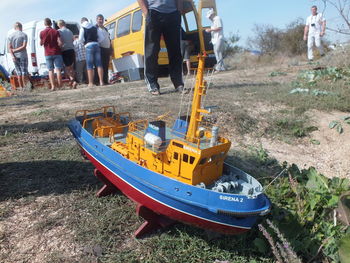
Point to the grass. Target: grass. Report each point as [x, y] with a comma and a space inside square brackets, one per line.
[48, 190]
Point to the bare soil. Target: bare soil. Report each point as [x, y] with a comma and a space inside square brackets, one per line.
[35, 228]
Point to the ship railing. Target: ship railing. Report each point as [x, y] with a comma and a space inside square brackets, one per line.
[104, 110]
[138, 127]
[112, 134]
[201, 142]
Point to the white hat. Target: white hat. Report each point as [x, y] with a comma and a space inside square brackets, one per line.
[210, 13]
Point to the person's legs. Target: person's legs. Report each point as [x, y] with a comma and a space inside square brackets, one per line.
[310, 43]
[98, 63]
[68, 57]
[50, 67]
[25, 74]
[152, 47]
[18, 69]
[79, 67]
[90, 73]
[218, 49]
[105, 56]
[318, 44]
[52, 79]
[171, 29]
[188, 65]
[90, 64]
[58, 62]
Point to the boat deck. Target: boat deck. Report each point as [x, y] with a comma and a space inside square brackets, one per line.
[121, 137]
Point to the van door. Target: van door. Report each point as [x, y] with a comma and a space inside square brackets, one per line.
[8, 61]
[29, 29]
[39, 50]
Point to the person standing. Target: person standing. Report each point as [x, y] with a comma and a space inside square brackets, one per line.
[163, 17]
[80, 60]
[217, 39]
[105, 45]
[89, 37]
[314, 30]
[51, 40]
[186, 51]
[68, 54]
[17, 45]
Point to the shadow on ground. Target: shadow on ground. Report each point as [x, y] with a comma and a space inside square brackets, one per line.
[39, 126]
[39, 178]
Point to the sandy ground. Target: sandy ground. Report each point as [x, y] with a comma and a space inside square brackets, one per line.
[330, 157]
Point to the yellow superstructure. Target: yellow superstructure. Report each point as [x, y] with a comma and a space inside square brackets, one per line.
[192, 155]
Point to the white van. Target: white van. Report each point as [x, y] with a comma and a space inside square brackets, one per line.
[36, 55]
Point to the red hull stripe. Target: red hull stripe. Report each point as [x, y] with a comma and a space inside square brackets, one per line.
[159, 207]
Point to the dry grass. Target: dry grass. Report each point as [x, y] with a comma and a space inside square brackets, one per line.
[48, 211]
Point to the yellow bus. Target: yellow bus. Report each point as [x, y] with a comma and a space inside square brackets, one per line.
[127, 26]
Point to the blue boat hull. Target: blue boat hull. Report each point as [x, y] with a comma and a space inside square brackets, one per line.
[220, 212]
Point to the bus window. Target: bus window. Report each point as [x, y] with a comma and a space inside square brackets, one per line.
[123, 26]
[137, 21]
[111, 30]
[206, 22]
[191, 21]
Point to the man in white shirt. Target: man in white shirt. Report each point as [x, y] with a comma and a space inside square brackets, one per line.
[217, 39]
[314, 30]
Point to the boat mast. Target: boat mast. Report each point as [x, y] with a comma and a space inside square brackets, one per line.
[199, 89]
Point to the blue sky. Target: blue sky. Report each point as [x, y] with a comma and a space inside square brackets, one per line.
[239, 16]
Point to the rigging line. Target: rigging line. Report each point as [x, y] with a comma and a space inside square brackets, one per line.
[182, 96]
[281, 173]
[189, 96]
[210, 75]
[189, 99]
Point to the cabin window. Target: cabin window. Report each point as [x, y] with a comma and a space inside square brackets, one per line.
[111, 30]
[192, 159]
[185, 158]
[124, 26]
[176, 156]
[137, 21]
[178, 144]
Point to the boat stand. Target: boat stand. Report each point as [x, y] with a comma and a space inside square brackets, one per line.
[108, 188]
[153, 221]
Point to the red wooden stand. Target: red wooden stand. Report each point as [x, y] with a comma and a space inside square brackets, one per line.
[108, 188]
[153, 221]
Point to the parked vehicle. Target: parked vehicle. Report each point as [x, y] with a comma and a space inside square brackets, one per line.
[127, 27]
[36, 55]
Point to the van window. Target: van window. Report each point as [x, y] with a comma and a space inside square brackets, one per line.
[74, 28]
[137, 21]
[111, 30]
[123, 26]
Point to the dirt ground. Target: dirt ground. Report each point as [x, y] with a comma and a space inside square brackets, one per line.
[33, 110]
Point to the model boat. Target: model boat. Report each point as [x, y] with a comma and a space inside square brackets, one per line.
[173, 171]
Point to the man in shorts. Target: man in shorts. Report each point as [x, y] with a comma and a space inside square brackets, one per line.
[51, 40]
[68, 54]
[17, 45]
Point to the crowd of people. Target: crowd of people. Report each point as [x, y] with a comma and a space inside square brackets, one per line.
[89, 53]
[76, 56]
